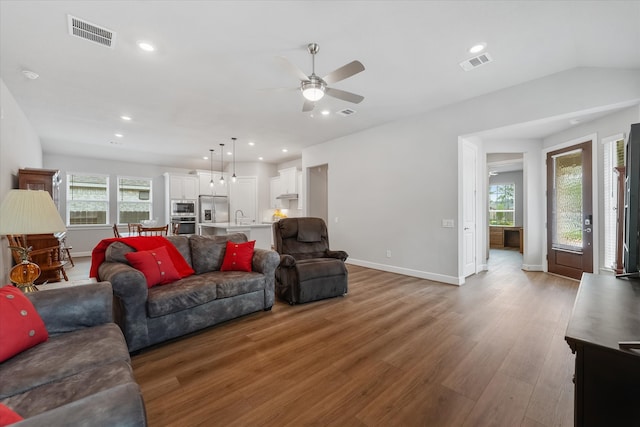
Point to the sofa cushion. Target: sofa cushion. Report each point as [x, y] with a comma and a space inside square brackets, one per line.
[20, 324]
[61, 356]
[180, 295]
[207, 252]
[156, 266]
[69, 389]
[182, 245]
[238, 256]
[319, 267]
[232, 283]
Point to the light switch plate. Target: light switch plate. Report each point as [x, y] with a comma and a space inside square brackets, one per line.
[447, 223]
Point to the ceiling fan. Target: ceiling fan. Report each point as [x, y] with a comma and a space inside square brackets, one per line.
[314, 88]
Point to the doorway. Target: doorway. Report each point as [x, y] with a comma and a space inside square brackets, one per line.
[570, 211]
[506, 198]
[317, 196]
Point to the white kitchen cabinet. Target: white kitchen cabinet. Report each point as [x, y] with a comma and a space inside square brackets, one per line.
[243, 195]
[275, 191]
[183, 187]
[288, 180]
[204, 184]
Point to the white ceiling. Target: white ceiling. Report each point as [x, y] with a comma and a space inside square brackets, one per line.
[214, 75]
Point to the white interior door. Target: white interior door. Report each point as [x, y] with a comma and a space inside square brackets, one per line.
[469, 161]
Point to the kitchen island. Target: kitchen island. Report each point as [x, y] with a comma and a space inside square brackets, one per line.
[261, 233]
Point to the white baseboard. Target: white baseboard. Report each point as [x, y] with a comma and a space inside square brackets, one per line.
[450, 280]
[80, 254]
[529, 267]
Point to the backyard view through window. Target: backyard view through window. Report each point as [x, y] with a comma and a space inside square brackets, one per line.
[502, 205]
[87, 199]
[134, 200]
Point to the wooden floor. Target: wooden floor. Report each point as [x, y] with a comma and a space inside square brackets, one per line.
[397, 351]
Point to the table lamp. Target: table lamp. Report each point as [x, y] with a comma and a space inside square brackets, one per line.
[28, 212]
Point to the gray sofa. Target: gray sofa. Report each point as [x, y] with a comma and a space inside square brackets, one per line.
[152, 315]
[81, 375]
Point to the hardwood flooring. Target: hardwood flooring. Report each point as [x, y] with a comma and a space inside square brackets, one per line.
[397, 351]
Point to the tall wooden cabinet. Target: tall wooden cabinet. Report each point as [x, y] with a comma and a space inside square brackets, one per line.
[47, 180]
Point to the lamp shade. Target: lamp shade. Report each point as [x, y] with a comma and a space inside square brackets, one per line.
[29, 212]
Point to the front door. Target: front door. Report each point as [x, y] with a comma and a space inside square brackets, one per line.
[569, 211]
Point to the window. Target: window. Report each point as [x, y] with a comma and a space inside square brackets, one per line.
[134, 199]
[87, 199]
[613, 157]
[502, 205]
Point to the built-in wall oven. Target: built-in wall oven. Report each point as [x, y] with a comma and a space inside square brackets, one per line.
[187, 224]
[183, 208]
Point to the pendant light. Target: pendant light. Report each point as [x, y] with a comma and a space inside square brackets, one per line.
[211, 170]
[221, 164]
[233, 177]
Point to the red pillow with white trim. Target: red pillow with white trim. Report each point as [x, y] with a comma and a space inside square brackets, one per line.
[238, 256]
[156, 265]
[21, 327]
[8, 416]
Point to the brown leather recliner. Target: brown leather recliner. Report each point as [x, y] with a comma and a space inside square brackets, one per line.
[308, 270]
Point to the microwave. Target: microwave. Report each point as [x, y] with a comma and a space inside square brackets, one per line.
[183, 208]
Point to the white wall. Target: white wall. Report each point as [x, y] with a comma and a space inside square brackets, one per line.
[391, 186]
[19, 148]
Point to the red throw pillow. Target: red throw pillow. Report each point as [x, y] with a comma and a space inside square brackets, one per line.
[20, 324]
[156, 265]
[7, 416]
[238, 256]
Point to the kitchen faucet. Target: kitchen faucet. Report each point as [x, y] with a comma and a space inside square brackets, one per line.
[236, 215]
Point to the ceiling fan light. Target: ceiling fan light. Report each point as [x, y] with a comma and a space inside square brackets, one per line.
[312, 91]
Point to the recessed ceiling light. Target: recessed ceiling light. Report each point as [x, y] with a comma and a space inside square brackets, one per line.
[119, 135]
[127, 118]
[284, 150]
[30, 74]
[146, 46]
[252, 144]
[325, 112]
[260, 158]
[574, 121]
[476, 48]
[205, 158]
[229, 153]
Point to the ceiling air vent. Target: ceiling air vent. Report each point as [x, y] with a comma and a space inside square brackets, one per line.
[475, 62]
[346, 112]
[92, 32]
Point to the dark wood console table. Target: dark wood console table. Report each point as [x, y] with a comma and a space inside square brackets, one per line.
[607, 378]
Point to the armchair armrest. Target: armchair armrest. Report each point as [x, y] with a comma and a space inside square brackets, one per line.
[337, 254]
[287, 261]
[69, 309]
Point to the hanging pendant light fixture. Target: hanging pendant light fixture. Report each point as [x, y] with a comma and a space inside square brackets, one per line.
[211, 170]
[221, 164]
[233, 177]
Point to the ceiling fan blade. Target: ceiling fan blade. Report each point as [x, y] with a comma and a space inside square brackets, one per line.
[344, 72]
[344, 95]
[292, 68]
[308, 106]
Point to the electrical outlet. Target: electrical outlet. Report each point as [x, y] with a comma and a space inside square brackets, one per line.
[447, 223]
[388, 253]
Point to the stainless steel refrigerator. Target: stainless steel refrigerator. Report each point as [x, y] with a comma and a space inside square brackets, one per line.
[213, 208]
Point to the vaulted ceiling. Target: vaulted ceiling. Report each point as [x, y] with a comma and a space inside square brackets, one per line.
[215, 75]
